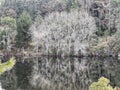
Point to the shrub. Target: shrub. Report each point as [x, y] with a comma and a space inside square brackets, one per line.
[102, 84]
[107, 46]
[8, 32]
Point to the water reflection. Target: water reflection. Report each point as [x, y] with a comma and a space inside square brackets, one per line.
[60, 74]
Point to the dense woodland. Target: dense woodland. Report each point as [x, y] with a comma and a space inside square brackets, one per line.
[61, 27]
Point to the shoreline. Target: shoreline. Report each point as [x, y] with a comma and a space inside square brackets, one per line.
[39, 54]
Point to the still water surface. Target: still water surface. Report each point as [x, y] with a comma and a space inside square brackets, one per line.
[60, 74]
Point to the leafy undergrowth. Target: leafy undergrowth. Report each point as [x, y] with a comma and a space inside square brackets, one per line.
[102, 84]
[7, 65]
[107, 46]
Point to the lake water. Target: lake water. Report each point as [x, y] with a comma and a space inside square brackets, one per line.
[60, 73]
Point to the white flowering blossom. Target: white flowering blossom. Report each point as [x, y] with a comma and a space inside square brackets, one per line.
[64, 32]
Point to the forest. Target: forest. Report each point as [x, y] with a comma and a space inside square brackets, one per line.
[80, 27]
[59, 44]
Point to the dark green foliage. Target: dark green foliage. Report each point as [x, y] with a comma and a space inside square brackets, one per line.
[71, 4]
[23, 24]
[2, 34]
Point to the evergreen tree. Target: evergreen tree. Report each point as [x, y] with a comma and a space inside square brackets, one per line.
[23, 37]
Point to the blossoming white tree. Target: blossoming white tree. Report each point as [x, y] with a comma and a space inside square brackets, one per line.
[64, 33]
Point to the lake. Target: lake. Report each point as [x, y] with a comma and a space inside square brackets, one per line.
[43, 73]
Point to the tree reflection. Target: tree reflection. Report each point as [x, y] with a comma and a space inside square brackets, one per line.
[73, 74]
[60, 73]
